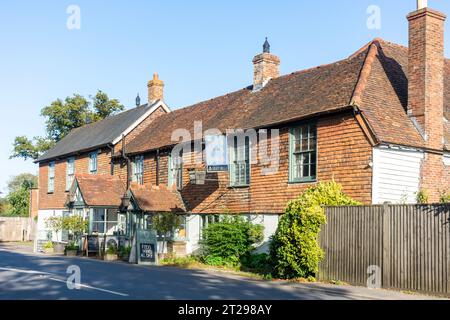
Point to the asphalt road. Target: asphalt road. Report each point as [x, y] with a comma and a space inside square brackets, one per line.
[41, 277]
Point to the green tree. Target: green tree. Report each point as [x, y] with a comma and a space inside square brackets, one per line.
[4, 206]
[294, 250]
[16, 182]
[18, 199]
[62, 116]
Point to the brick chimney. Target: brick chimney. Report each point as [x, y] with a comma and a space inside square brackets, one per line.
[266, 67]
[426, 92]
[155, 89]
[426, 73]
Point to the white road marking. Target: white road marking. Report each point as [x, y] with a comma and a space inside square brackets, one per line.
[93, 288]
[24, 271]
[44, 274]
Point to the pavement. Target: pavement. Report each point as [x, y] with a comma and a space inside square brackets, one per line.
[28, 276]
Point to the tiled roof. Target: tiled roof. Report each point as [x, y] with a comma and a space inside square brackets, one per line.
[101, 190]
[157, 198]
[96, 134]
[301, 94]
[385, 97]
[374, 78]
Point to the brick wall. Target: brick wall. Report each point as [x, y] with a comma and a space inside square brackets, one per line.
[57, 199]
[426, 93]
[435, 176]
[343, 154]
[136, 131]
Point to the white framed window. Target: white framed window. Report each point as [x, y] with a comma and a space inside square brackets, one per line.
[303, 153]
[70, 173]
[93, 162]
[239, 151]
[51, 177]
[103, 221]
[176, 170]
[138, 169]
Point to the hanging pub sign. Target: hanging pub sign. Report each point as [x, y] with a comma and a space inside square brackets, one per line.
[216, 153]
[147, 247]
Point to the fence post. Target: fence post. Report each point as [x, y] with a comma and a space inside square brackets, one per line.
[386, 246]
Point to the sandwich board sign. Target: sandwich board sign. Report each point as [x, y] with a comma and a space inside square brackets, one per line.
[147, 247]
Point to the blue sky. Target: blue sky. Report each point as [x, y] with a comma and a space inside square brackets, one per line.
[201, 49]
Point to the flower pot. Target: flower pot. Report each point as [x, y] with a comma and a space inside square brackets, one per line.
[59, 247]
[71, 253]
[110, 257]
[126, 258]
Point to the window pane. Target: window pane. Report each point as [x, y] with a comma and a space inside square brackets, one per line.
[305, 171]
[240, 162]
[303, 153]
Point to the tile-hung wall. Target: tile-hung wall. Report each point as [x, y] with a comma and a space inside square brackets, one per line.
[341, 149]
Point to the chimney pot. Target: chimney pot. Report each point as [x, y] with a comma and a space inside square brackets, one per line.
[266, 67]
[422, 4]
[155, 89]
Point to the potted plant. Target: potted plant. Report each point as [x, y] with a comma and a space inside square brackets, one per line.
[111, 253]
[56, 225]
[48, 247]
[124, 252]
[72, 249]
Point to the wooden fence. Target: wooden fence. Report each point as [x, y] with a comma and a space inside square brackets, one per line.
[408, 245]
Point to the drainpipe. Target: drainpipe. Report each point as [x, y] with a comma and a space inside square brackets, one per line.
[157, 167]
[127, 160]
[112, 160]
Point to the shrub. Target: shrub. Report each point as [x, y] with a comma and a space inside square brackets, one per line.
[72, 246]
[112, 249]
[75, 225]
[48, 245]
[258, 263]
[124, 251]
[445, 197]
[422, 197]
[294, 249]
[227, 242]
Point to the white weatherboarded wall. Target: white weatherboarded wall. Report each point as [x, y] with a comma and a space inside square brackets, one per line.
[396, 175]
[447, 159]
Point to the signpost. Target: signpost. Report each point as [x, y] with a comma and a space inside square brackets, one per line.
[147, 247]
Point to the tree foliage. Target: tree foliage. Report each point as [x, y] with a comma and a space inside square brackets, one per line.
[55, 224]
[75, 225]
[62, 116]
[294, 250]
[24, 179]
[18, 199]
[166, 223]
[230, 240]
[4, 206]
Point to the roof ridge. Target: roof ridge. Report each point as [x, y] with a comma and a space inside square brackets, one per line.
[274, 79]
[364, 74]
